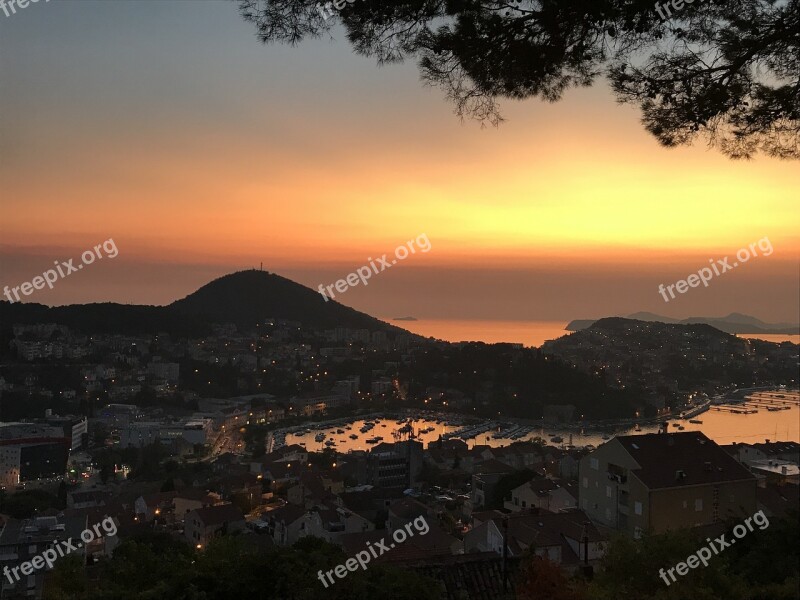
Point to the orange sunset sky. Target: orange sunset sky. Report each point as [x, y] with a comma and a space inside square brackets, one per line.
[168, 127]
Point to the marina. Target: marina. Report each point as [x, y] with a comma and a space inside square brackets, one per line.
[733, 423]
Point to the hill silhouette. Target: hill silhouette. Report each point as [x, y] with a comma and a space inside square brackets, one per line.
[733, 323]
[247, 297]
[243, 298]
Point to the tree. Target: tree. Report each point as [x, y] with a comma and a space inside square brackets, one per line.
[158, 566]
[25, 504]
[62, 494]
[542, 579]
[67, 580]
[631, 569]
[725, 70]
[105, 473]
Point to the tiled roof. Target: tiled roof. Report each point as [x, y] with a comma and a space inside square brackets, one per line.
[472, 576]
[772, 448]
[680, 459]
[492, 466]
[778, 501]
[408, 508]
[217, 515]
[287, 514]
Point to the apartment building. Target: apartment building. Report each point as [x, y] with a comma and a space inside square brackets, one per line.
[663, 481]
[30, 451]
[23, 540]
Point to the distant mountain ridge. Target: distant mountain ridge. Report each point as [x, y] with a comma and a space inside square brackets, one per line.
[243, 298]
[733, 323]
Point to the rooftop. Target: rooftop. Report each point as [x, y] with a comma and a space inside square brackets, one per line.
[681, 459]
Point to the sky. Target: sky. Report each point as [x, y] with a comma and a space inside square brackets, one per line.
[169, 128]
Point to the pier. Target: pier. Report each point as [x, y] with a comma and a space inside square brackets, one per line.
[732, 409]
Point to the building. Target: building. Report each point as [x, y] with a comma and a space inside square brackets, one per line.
[154, 506]
[140, 434]
[789, 452]
[88, 499]
[30, 451]
[393, 465]
[315, 402]
[191, 499]
[198, 431]
[22, 540]
[119, 414]
[287, 524]
[485, 479]
[204, 524]
[167, 371]
[567, 539]
[778, 472]
[541, 492]
[663, 481]
[75, 428]
[331, 522]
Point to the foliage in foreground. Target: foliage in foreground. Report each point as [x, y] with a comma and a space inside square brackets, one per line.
[157, 566]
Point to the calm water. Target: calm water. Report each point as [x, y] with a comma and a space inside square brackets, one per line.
[772, 337]
[529, 333]
[722, 427]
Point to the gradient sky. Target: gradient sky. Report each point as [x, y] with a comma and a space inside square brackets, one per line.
[167, 126]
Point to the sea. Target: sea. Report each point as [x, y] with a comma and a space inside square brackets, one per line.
[719, 425]
[527, 333]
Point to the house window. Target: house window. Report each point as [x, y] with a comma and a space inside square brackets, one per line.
[586, 482]
[637, 532]
[594, 463]
[685, 504]
[523, 504]
[516, 501]
[698, 504]
[637, 508]
[608, 491]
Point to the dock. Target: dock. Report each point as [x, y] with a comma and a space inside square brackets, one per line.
[735, 410]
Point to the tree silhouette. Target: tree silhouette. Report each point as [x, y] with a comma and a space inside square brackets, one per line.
[541, 579]
[727, 71]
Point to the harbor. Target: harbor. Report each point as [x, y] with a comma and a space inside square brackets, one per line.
[733, 421]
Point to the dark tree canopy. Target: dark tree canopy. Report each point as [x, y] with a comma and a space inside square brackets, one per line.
[726, 71]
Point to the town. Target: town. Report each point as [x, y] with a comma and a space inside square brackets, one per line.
[287, 432]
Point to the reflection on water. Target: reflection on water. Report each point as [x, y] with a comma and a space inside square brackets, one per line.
[386, 428]
[722, 427]
[529, 333]
[772, 337]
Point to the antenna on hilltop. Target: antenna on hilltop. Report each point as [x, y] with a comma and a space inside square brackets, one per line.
[262, 267]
